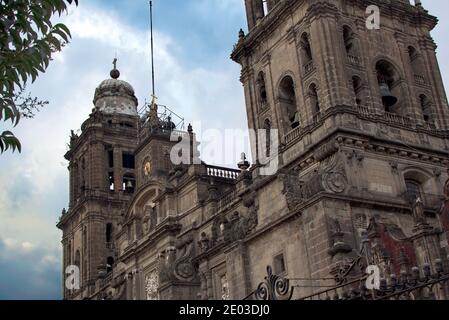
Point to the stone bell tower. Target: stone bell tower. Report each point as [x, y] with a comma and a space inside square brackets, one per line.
[302, 59]
[361, 114]
[102, 180]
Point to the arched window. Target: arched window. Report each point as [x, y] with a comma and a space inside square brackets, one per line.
[85, 269]
[78, 258]
[388, 79]
[108, 232]
[287, 98]
[413, 190]
[84, 239]
[129, 183]
[267, 128]
[69, 254]
[262, 90]
[348, 38]
[313, 94]
[357, 87]
[306, 49]
[416, 65]
[82, 176]
[111, 181]
[425, 107]
[109, 264]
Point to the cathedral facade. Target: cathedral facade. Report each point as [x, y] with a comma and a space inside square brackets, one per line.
[361, 119]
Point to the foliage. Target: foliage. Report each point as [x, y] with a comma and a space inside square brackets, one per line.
[28, 39]
[27, 105]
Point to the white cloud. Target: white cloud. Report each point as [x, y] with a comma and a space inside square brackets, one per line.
[35, 183]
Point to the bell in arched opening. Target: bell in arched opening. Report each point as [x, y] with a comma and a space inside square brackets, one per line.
[388, 99]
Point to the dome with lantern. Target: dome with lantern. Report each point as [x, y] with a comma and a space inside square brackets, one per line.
[114, 96]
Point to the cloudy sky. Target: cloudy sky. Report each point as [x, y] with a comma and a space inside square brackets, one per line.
[194, 76]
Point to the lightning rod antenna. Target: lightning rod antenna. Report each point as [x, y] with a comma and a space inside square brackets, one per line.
[152, 53]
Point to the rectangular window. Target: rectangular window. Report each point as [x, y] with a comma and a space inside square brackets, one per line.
[108, 232]
[279, 264]
[128, 161]
[111, 158]
[111, 181]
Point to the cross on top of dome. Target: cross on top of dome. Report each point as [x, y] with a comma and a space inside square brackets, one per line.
[115, 74]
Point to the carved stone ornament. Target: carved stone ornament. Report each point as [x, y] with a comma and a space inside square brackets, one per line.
[224, 288]
[152, 285]
[293, 189]
[184, 268]
[330, 177]
[119, 286]
[326, 151]
[204, 243]
[176, 262]
[334, 182]
[333, 176]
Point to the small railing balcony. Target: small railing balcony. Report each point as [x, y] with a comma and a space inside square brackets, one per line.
[398, 119]
[309, 67]
[419, 80]
[364, 111]
[221, 172]
[293, 134]
[354, 60]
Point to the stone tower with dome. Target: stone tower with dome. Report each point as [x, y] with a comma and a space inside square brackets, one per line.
[102, 179]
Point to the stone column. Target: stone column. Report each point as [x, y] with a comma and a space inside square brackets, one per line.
[247, 78]
[435, 81]
[96, 174]
[96, 233]
[327, 52]
[237, 271]
[250, 14]
[72, 173]
[210, 287]
[118, 170]
[409, 98]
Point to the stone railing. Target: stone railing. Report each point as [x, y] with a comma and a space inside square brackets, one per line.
[309, 67]
[221, 172]
[398, 119]
[176, 134]
[293, 135]
[145, 131]
[363, 112]
[419, 80]
[354, 60]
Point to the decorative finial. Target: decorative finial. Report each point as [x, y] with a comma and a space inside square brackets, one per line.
[244, 164]
[115, 74]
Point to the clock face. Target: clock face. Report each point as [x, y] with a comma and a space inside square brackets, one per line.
[147, 167]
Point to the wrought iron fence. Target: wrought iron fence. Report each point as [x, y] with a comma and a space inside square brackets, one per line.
[418, 284]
